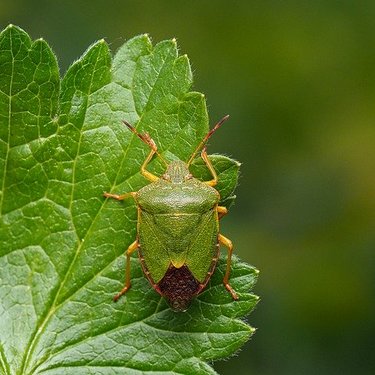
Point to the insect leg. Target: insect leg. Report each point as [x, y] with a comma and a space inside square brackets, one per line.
[204, 156]
[145, 137]
[133, 247]
[120, 197]
[221, 210]
[151, 177]
[228, 244]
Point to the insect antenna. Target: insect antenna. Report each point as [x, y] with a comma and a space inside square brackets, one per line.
[146, 138]
[207, 137]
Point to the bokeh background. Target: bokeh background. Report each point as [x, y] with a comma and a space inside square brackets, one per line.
[298, 79]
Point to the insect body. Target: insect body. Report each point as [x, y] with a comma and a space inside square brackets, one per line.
[178, 234]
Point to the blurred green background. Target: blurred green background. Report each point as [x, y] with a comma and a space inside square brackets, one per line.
[298, 79]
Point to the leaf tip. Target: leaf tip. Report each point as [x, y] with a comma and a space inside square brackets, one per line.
[146, 37]
[13, 31]
[11, 26]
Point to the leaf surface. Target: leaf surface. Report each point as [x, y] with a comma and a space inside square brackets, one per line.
[62, 144]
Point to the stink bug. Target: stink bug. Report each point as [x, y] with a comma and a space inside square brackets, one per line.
[178, 236]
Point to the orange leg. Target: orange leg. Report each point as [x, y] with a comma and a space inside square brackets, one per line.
[133, 247]
[210, 167]
[221, 210]
[145, 137]
[151, 177]
[120, 197]
[228, 244]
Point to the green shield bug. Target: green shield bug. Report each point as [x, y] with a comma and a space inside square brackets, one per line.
[178, 235]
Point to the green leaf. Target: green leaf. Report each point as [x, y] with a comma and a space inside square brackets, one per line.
[61, 243]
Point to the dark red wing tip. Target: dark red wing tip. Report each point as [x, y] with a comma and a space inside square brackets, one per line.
[179, 286]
